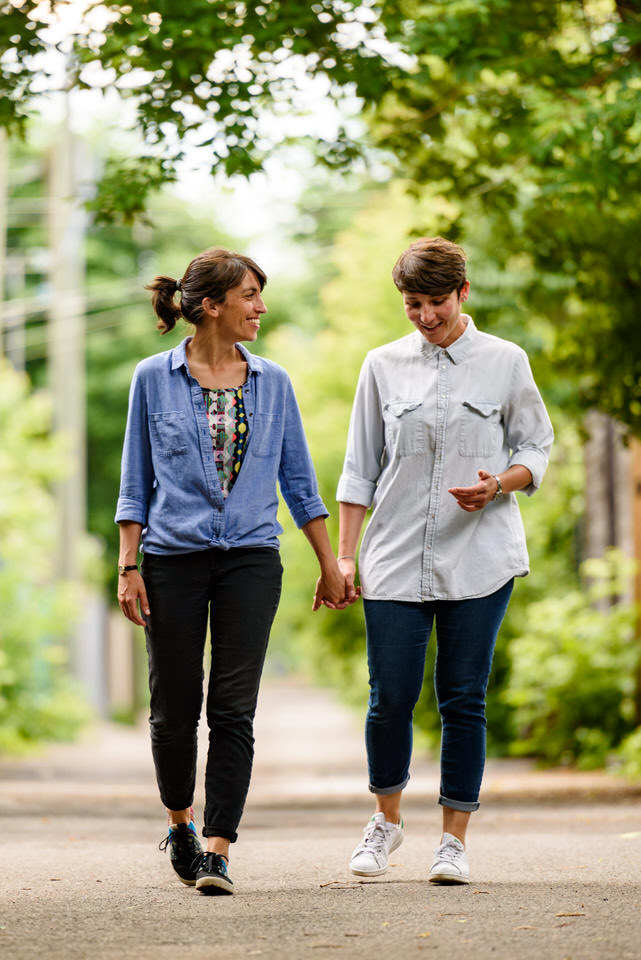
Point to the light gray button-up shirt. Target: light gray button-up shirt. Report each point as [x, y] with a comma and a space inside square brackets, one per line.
[426, 419]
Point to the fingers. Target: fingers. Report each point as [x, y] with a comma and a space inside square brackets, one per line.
[132, 599]
[337, 596]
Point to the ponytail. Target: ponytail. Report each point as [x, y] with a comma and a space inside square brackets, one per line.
[163, 291]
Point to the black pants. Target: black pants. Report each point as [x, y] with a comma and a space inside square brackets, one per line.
[240, 589]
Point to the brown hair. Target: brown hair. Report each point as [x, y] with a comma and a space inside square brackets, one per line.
[210, 274]
[430, 265]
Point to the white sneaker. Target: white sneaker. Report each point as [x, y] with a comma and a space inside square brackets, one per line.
[450, 862]
[379, 839]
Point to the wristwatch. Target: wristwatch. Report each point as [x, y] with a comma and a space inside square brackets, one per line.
[124, 567]
[499, 489]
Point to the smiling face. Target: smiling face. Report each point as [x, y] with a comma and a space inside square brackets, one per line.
[238, 315]
[437, 318]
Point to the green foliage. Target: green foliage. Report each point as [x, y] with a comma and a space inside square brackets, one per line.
[203, 73]
[362, 309]
[572, 682]
[527, 113]
[627, 758]
[36, 698]
[125, 189]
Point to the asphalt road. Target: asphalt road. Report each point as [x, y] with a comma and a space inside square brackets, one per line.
[556, 858]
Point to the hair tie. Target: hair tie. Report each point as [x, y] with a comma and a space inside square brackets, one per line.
[179, 284]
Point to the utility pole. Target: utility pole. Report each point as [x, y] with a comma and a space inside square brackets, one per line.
[67, 224]
[66, 228]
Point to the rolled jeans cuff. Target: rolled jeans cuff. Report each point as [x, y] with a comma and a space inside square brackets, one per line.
[384, 791]
[459, 804]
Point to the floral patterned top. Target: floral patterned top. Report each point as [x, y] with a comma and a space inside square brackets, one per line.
[228, 427]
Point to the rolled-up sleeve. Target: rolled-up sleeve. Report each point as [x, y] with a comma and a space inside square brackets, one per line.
[528, 427]
[296, 475]
[137, 474]
[365, 442]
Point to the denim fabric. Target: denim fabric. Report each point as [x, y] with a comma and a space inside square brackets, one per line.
[169, 482]
[397, 637]
[427, 418]
[238, 590]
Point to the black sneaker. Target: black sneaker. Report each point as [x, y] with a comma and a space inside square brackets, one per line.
[212, 876]
[185, 851]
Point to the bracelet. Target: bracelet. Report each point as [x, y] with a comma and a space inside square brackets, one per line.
[346, 556]
[499, 489]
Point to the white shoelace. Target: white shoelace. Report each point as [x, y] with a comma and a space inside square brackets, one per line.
[374, 839]
[448, 851]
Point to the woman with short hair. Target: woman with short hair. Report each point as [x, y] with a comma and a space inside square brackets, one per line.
[447, 425]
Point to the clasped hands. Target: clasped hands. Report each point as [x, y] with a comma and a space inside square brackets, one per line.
[335, 587]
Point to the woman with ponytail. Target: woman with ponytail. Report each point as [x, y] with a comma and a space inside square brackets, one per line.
[211, 431]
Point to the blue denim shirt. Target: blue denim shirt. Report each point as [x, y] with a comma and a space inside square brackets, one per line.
[169, 482]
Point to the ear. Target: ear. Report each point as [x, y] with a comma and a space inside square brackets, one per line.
[465, 291]
[210, 307]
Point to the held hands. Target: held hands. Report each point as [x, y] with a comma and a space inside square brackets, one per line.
[132, 597]
[335, 586]
[478, 496]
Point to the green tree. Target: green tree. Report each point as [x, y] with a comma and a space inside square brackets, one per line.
[37, 700]
[529, 113]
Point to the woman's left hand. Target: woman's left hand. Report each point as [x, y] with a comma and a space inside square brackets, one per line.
[334, 591]
[478, 496]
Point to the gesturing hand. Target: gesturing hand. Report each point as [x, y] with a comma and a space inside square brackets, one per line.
[478, 496]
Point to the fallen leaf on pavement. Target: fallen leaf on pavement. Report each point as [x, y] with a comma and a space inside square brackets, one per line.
[525, 926]
[426, 934]
[481, 891]
[569, 914]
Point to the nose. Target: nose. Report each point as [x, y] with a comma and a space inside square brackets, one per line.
[260, 306]
[427, 312]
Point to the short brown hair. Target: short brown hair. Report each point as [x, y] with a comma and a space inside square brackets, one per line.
[431, 265]
[210, 274]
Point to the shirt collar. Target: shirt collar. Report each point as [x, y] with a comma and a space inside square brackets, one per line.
[457, 351]
[179, 357]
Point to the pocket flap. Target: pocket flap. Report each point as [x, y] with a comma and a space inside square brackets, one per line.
[485, 407]
[398, 407]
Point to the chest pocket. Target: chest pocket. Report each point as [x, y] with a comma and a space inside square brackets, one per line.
[404, 427]
[265, 437]
[481, 433]
[168, 433]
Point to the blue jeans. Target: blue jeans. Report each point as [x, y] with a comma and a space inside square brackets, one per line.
[397, 638]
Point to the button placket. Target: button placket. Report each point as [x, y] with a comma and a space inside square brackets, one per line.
[209, 466]
[442, 397]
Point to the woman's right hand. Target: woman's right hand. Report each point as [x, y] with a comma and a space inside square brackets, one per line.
[132, 597]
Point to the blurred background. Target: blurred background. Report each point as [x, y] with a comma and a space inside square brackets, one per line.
[320, 139]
